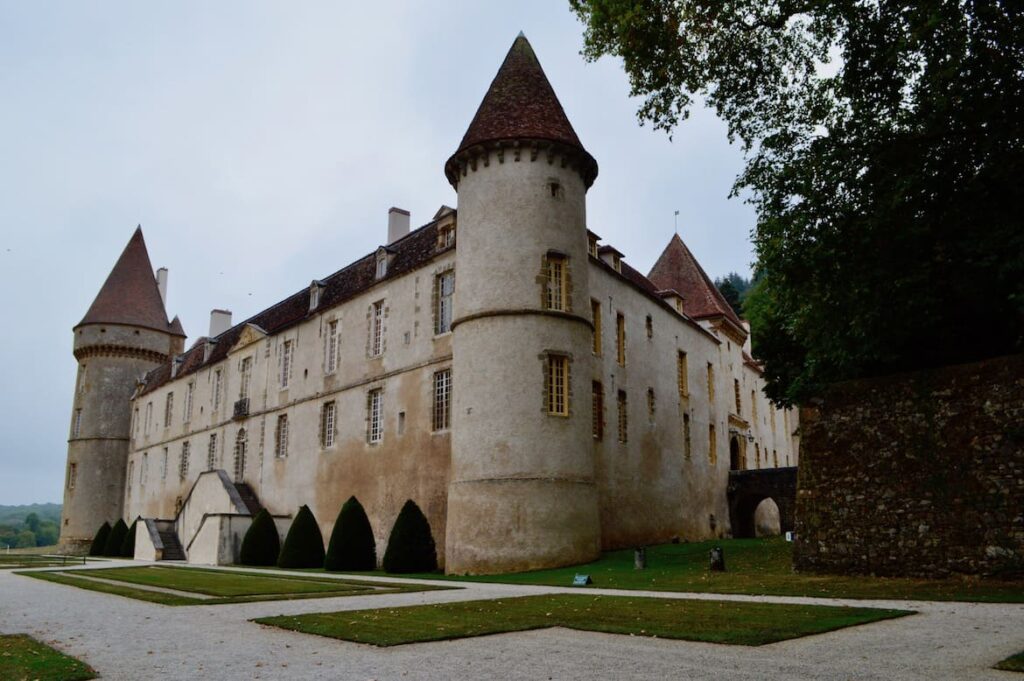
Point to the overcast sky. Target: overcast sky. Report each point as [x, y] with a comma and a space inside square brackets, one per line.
[260, 146]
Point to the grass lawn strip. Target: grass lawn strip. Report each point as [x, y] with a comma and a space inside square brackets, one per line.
[735, 623]
[1012, 664]
[761, 567]
[170, 586]
[24, 658]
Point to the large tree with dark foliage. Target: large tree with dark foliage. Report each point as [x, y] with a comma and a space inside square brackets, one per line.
[885, 150]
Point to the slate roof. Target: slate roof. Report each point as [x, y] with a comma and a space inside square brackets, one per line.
[677, 269]
[410, 252]
[520, 104]
[130, 294]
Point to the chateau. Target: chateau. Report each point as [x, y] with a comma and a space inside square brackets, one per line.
[536, 396]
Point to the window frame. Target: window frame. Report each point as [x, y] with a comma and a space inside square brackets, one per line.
[328, 419]
[556, 283]
[558, 385]
[281, 437]
[443, 302]
[377, 328]
[622, 416]
[441, 412]
[375, 416]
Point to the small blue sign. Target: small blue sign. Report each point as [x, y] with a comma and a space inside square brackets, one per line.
[582, 580]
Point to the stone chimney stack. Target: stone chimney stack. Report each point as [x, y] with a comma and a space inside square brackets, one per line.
[398, 224]
[220, 321]
[161, 283]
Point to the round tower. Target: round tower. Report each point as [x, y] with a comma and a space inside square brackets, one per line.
[522, 492]
[124, 334]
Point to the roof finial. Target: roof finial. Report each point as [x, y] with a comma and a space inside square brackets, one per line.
[521, 35]
[676, 222]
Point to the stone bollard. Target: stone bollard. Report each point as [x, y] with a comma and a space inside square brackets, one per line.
[640, 558]
[717, 560]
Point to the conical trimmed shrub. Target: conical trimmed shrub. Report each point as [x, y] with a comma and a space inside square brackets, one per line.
[99, 542]
[352, 546]
[304, 545]
[128, 545]
[261, 544]
[117, 534]
[410, 546]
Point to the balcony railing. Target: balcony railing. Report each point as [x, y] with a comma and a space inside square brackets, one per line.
[241, 408]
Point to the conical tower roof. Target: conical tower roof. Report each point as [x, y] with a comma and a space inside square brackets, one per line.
[521, 105]
[130, 295]
[678, 270]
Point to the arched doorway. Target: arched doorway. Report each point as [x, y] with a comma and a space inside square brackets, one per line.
[241, 443]
[767, 522]
[735, 456]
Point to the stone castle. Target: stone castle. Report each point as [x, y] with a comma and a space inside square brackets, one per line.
[537, 397]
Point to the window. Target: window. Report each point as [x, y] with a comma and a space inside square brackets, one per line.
[144, 469]
[281, 437]
[623, 418]
[712, 445]
[149, 416]
[592, 245]
[314, 295]
[217, 380]
[135, 422]
[374, 426]
[241, 447]
[286, 363]
[446, 237]
[76, 430]
[131, 473]
[757, 455]
[597, 417]
[711, 383]
[377, 329]
[183, 467]
[753, 407]
[168, 410]
[558, 385]
[442, 399]
[620, 339]
[679, 305]
[595, 315]
[163, 465]
[682, 372]
[331, 348]
[245, 372]
[650, 404]
[649, 326]
[736, 394]
[211, 452]
[444, 286]
[382, 266]
[72, 475]
[189, 394]
[327, 425]
[687, 449]
[556, 291]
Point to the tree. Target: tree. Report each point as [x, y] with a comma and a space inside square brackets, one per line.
[112, 548]
[731, 295]
[99, 542]
[26, 539]
[411, 545]
[32, 522]
[304, 544]
[886, 184]
[352, 546]
[261, 544]
[128, 545]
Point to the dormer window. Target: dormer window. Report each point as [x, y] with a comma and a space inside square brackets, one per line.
[446, 236]
[382, 265]
[617, 263]
[315, 289]
[592, 246]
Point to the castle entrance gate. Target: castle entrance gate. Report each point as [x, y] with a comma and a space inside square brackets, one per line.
[749, 488]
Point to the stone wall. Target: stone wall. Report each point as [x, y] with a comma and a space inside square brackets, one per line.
[917, 474]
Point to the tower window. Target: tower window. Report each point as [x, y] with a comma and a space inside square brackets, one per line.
[442, 399]
[623, 417]
[331, 347]
[597, 418]
[377, 329]
[374, 416]
[687, 451]
[620, 339]
[72, 475]
[444, 287]
[557, 289]
[558, 385]
[281, 437]
[595, 314]
[76, 430]
[327, 425]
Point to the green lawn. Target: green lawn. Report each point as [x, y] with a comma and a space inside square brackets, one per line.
[749, 624]
[1012, 664]
[755, 566]
[22, 658]
[25, 560]
[221, 586]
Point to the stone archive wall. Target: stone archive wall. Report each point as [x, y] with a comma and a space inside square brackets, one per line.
[918, 474]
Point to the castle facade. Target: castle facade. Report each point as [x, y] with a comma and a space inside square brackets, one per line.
[536, 396]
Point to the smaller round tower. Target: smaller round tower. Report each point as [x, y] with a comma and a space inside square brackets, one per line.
[522, 493]
[124, 334]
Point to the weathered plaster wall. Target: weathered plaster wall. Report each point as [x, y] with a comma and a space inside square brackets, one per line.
[917, 474]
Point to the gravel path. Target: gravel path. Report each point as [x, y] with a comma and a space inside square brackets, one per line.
[133, 640]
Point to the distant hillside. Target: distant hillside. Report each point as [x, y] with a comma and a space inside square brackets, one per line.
[29, 525]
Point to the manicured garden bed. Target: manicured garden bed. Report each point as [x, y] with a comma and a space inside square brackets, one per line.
[22, 658]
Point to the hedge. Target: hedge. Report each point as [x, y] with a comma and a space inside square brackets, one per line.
[411, 545]
[304, 545]
[261, 544]
[352, 546]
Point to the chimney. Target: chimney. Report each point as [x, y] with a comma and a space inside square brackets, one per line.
[398, 224]
[161, 283]
[220, 321]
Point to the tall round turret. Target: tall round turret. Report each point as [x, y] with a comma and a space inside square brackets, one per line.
[522, 493]
[124, 334]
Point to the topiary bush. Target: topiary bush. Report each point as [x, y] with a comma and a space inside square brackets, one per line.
[99, 542]
[352, 546]
[411, 545]
[128, 545]
[261, 544]
[304, 545]
[118, 532]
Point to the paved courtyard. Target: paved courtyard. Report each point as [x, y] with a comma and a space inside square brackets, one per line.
[133, 640]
